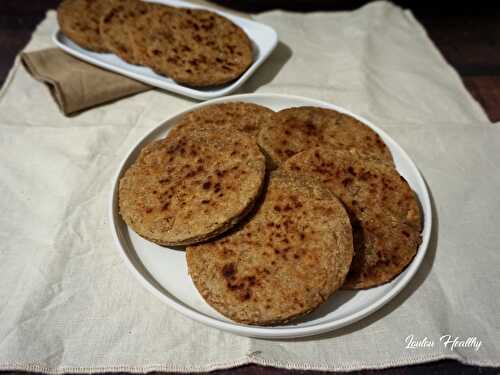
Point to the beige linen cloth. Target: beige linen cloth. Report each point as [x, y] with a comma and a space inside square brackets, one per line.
[69, 304]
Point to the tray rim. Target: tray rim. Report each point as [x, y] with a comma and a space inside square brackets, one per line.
[284, 331]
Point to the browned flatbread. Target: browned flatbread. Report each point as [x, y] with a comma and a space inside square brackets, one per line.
[384, 211]
[248, 118]
[79, 21]
[113, 27]
[298, 129]
[284, 262]
[139, 31]
[186, 189]
[196, 47]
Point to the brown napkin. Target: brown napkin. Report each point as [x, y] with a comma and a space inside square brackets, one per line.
[77, 85]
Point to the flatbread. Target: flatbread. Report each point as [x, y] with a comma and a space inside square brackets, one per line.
[298, 129]
[139, 31]
[186, 189]
[248, 118]
[113, 27]
[284, 262]
[197, 47]
[79, 21]
[384, 211]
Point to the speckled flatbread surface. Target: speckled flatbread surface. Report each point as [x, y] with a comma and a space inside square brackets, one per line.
[185, 189]
[113, 27]
[384, 211]
[197, 47]
[285, 261]
[139, 32]
[302, 128]
[244, 117]
[79, 21]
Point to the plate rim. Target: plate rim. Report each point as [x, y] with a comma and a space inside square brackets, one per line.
[175, 87]
[262, 331]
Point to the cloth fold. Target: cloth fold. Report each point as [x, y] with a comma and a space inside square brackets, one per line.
[68, 303]
[76, 85]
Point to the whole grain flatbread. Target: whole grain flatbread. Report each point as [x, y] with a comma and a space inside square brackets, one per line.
[186, 189]
[298, 129]
[196, 47]
[114, 24]
[384, 211]
[139, 31]
[248, 118]
[79, 21]
[284, 262]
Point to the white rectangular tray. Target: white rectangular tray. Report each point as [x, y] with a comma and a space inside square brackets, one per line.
[264, 40]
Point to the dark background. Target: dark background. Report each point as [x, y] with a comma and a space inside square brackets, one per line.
[468, 35]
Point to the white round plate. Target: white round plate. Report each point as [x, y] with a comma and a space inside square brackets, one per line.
[163, 271]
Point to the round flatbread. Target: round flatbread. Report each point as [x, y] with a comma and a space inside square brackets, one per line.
[247, 118]
[79, 21]
[186, 189]
[114, 24]
[197, 47]
[284, 262]
[384, 211]
[298, 129]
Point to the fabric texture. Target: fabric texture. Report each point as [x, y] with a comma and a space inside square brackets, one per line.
[69, 304]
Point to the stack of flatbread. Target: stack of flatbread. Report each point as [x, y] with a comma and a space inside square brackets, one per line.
[194, 47]
[278, 210]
